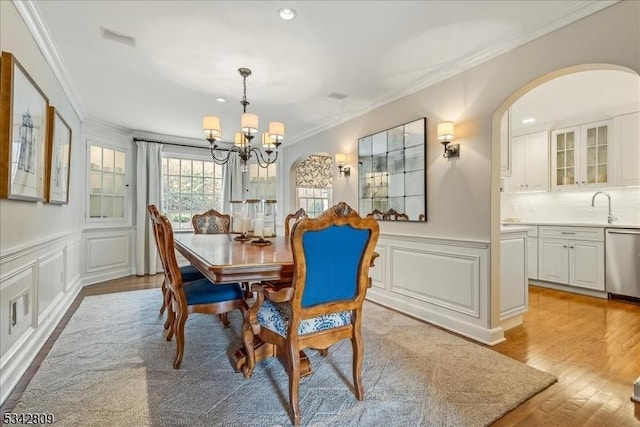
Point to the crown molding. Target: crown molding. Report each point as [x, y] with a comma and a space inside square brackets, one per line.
[36, 25]
[575, 10]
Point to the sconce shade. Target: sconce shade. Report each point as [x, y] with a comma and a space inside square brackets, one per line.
[445, 131]
[341, 159]
[211, 125]
[249, 123]
[276, 130]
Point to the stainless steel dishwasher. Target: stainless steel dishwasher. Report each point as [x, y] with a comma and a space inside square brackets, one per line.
[622, 248]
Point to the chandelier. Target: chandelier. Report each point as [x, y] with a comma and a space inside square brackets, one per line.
[271, 139]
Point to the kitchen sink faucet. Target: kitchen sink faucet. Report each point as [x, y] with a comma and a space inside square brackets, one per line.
[610, 218]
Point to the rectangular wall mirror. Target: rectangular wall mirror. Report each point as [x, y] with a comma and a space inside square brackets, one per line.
[392, 176]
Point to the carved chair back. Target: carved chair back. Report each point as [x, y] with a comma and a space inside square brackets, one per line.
[300, 213]
[211, 222]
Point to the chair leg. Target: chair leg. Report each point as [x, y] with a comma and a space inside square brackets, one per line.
[358, 347]
[247, 341]
[181, 319]
[294, 381]
[324, 352]
[225, 320]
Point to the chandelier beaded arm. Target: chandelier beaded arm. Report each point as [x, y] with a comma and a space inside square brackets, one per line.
[271, 140]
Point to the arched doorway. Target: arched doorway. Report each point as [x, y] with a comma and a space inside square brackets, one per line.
[557, 176]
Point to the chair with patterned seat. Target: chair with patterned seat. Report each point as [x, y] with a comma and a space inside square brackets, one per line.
[211, 222]
[332, 255]
[189, 272]
[198, 296]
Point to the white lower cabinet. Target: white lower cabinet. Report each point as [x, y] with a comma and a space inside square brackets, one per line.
[572, 256]
[514, 286]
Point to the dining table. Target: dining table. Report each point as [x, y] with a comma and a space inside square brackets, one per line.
[224, 259]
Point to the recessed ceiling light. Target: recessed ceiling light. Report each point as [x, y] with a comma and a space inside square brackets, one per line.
[530, 120]
[287, 13]
[221, 99]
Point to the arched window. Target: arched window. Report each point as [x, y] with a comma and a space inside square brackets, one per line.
[314, 184]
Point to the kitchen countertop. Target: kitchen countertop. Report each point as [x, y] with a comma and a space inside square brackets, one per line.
[572, 224]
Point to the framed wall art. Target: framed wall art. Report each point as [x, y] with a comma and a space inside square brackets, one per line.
[23, 132]
[58, 159]
[392, 175]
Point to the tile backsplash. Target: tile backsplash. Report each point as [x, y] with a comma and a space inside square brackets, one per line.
[573, 206]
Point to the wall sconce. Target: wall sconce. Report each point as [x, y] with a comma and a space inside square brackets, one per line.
[445, 135]
[341, 159]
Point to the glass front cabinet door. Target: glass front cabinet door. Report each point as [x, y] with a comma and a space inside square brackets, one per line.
[579, 156]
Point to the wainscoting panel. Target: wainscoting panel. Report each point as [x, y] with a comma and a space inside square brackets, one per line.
[441, 281]
[51, 283]
[38, 283]
[452, 280]
[109, 254]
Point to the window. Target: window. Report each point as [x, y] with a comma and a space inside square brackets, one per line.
[262, 182]
[314, 181]
[107, 183]
[313, 200]
[189, 186]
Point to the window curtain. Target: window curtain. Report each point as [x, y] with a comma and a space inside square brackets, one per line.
[149, 191]
[315, 172]
[232, 182]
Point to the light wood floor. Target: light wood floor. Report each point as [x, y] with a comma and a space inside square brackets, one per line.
[592, 345]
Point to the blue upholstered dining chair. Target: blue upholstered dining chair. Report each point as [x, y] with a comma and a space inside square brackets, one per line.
[189, 272]
[197, 296]
[323, 305]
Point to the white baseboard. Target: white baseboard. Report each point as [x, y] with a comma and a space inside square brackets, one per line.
[16, 362]
[484, 335]
[567, 288]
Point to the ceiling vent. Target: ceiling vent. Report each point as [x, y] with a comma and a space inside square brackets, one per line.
[117, 37]
[336, 95]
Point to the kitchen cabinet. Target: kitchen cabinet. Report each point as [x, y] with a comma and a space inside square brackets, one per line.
[514, 286]
[627, 141]
[530, 162]
[572, 256]
[580, 156]
[532, 248]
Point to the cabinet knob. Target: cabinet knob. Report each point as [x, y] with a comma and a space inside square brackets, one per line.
[526, 185]
[570, 247]
[583, 182]
[564, 246]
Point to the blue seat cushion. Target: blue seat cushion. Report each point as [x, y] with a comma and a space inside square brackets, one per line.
[190, 273]
[203, 291]
[275, 317]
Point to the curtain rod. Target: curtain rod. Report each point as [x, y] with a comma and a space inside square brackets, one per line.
[155, 141]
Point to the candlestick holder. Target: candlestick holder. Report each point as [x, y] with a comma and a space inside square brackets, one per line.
[261, 241]
[242, 237]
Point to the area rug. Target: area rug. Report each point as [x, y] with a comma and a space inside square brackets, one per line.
[112, 367]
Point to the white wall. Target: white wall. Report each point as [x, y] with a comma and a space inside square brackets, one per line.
[40, 244]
